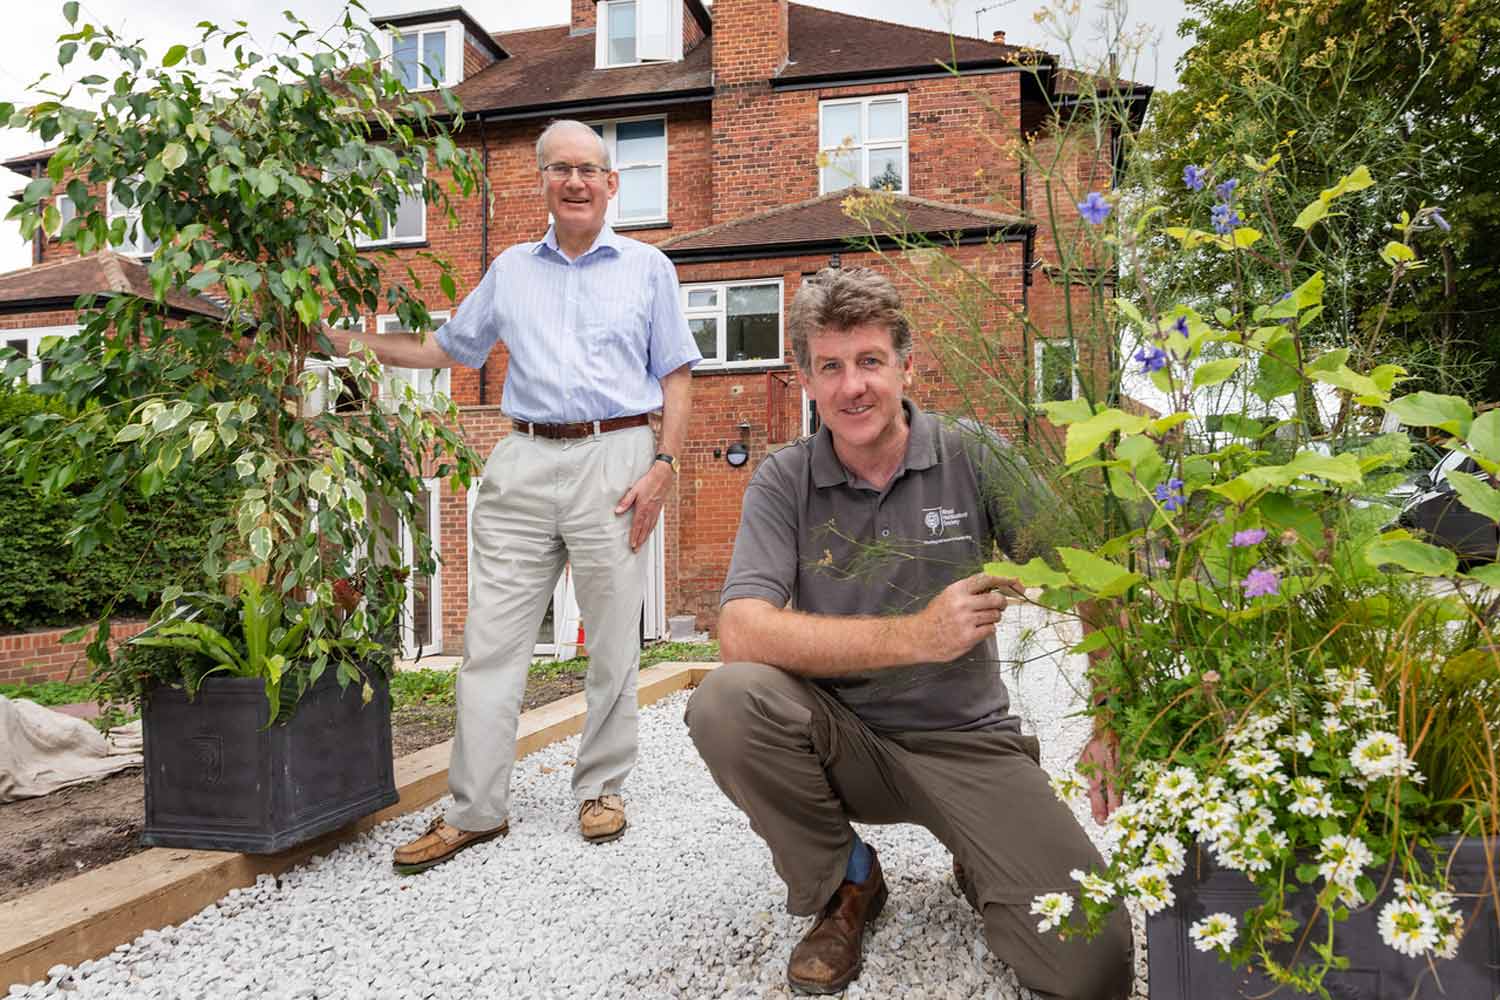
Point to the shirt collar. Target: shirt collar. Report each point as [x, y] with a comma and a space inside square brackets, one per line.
[607, 239]
[921, 449]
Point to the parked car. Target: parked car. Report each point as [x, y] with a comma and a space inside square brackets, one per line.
[1432, 509]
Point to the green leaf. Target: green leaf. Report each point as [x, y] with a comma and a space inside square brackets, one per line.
[1033, 574]
[130, 432]
[1488, 574]
[1086, 437]
[1068, 411]
[1400, 549]
[155, 170]
[66, 52]
[173, 156]
[202, 441]
[268, 185]
[1484, 435]
[1426, 409]
[1315, 212]
[1397, 253]
[70, 11]
[219, 178]
[175, 55]
[446, 281]
[1214, 372]
[1476, 494]
[260, 543]
[1245, 237]
[1097, 575]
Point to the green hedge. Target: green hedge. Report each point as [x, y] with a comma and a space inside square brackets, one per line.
[42, 585]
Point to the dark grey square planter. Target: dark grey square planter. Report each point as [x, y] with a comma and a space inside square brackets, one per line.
[218, 779]
[1178, 971]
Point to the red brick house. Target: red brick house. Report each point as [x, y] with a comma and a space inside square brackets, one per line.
[716, 123]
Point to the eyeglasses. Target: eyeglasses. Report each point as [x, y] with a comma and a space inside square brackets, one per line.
[586, 171]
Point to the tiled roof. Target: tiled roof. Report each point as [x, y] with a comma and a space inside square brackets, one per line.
[550, 66]
[825, 44]
[818, 222]
[58, 283]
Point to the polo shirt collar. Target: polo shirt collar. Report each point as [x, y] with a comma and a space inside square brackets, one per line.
[607, 239]
[921, 449]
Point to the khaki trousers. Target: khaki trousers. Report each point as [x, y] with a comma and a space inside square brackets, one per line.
[801, 766]
[544, 503]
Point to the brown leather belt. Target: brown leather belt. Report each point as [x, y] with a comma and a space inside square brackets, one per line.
[583, 428]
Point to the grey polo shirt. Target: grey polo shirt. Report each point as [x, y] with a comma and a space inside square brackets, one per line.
[816, 539]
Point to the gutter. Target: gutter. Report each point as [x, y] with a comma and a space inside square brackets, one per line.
[643, 100]
[765, 251]
[897, 74]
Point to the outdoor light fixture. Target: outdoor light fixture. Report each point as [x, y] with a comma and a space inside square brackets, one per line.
[737, 455]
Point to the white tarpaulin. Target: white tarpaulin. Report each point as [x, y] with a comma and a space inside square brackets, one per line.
[42, 750]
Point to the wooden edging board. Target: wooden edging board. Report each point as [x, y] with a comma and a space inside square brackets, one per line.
[88, 915]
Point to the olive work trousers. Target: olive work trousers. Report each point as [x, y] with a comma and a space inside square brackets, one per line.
[802, 766]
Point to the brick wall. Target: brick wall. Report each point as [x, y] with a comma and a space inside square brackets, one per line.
[33, 657]
[583, 16]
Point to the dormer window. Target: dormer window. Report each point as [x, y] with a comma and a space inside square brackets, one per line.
[631, 32]
[429, 55]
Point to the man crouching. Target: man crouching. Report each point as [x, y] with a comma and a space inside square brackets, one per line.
[861, 678]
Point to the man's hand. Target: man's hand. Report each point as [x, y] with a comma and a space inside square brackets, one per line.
[646, 496]
[1103, 752]
[962, 616]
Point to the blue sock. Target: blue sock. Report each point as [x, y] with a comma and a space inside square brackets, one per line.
[860, 862]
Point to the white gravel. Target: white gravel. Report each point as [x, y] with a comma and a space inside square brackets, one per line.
[685, 905]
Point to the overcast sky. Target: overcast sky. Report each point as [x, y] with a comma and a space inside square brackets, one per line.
[28, 46]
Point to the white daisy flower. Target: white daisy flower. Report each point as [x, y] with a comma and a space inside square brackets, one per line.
[1095, 887]
[1380, 755]
[1069, 786]
[1311, 798]
[1053, 908]
[1217, 930]
[1408, 926]
[1343, 859]
[1150, 885]
[1166, 851]
[1255, 762]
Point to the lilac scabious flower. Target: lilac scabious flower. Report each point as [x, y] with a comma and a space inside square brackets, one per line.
[1250, 536]
[1225, 191]
[1225, 219]
[1094, 208]
[1442, 223]
[1261, 583]
[1181, 326]
[1193, 176]
[1152, 359]
[1169, 494]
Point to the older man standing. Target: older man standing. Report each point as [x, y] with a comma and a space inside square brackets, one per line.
[867, 685]
[597, 340]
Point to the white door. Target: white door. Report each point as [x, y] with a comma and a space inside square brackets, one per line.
[422, 620]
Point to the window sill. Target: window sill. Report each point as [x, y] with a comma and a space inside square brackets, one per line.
[393, 245]
[739, 367]
[637, 225]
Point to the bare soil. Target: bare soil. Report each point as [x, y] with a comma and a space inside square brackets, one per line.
[57, 836]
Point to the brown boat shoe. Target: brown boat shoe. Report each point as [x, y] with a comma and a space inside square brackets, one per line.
[438, 843]
[829, 957]
[602, 820]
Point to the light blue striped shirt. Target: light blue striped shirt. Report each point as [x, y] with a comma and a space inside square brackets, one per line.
[589, 339]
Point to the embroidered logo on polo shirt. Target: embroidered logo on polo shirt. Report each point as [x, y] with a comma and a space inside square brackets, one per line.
[939, 519]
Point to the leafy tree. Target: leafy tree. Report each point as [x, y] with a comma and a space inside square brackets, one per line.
[252, 182]
[1410, 89]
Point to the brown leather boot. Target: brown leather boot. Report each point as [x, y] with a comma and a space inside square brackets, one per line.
[829, 956]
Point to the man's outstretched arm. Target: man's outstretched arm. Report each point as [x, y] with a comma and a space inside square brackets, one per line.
[401, 350]
[954, 622]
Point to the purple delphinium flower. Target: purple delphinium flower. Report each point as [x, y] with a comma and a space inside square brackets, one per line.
[1442, 223]
[1152, 359]
[1193, 176]
[1248, 537]
[1225, 191]
[1169, 494]
[1261, 583]
[1225, 219]
[1181, 325]
[1094, 208]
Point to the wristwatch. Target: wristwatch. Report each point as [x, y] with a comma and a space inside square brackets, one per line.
[671, 462]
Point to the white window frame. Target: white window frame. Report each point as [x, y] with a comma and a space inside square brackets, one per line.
[658, 32]
[132, 218]
[66, 212]
[721, 313]
[864, 147]
[34, 337]
[364, 242]
[453, 61]
[410, 648]
[319, 400]
[422, 380]
[1038, 348]
[612, 214]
